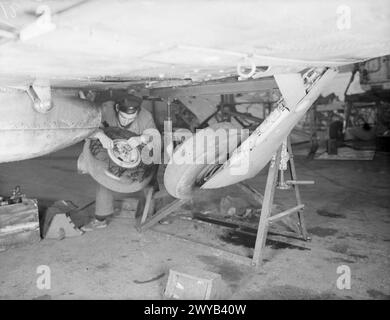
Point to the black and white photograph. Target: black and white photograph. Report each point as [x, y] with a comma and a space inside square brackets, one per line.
[194, 155]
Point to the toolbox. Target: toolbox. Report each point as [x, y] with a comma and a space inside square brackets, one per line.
[19, 223]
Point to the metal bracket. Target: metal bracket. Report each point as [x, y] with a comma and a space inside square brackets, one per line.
[40, 95]
[41, 25]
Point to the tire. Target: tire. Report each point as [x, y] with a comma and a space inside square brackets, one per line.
[87, 163]
[181, 180]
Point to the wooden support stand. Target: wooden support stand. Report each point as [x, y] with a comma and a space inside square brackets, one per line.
[160, 214]
[266, 217]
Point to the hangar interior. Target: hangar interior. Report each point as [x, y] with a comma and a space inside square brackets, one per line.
[309, 216]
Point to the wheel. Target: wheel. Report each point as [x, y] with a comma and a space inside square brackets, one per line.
[87, 163]
[194, 162]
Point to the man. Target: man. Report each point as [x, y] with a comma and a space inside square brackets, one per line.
[126, 114]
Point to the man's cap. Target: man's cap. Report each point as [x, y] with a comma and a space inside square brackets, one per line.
[130, 104]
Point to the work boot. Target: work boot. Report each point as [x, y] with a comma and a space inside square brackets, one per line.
[94, 224]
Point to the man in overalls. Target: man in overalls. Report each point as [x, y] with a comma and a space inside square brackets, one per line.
[126, 114]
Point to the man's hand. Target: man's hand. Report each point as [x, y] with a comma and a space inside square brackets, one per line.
[104, 140]
[134, 142]
[107, 142]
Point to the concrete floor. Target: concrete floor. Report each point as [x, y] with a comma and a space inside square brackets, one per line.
[347, 214]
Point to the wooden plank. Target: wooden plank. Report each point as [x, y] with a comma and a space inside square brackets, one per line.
[18, 213]
[19, 224]
[213, 249]
[285, 213]
[295, 242]
[241, 226]
[266, 209]
[149, 194]
[293, 173]
[162, 213]
[19, 239]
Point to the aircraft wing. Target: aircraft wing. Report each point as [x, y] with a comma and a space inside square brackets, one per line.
[95, 40]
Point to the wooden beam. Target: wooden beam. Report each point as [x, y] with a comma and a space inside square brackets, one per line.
[281, 215]
[293, 173]
[266, 209]
[262, 84]
[162, 213]
[213, 249]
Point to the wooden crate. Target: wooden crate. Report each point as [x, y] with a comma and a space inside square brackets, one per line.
[19, 224]
[188, 283]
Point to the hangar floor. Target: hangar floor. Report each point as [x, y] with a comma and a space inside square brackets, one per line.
[347, 213]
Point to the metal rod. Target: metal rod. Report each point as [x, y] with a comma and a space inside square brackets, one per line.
[299, 182]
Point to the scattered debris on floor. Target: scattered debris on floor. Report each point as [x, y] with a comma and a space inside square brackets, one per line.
[150, 280]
